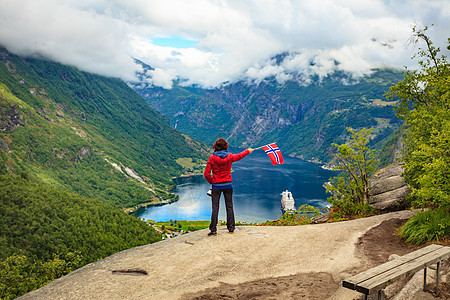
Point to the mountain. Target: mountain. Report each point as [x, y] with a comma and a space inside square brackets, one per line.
[75, 149]
[304, 118]
[87, 134]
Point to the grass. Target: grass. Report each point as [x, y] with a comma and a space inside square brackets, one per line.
[427, 226]
[174, 225]
[382, 122]
[190, 165]
[382, 102]
[186, 163]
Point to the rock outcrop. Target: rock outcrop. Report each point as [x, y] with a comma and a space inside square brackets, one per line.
[387, 189]
[10, 117]
[322, 218]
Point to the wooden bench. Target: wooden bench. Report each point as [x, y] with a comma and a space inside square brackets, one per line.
[377, 278]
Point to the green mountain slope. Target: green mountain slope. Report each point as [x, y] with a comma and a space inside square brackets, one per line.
[87, 134]
[303, 118]
[46, 233]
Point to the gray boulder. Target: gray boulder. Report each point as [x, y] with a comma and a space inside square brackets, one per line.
[387, 189]
[322, 218]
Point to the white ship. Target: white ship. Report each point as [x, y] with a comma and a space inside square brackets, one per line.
[287, 202]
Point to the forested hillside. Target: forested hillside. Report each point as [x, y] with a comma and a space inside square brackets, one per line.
[87, 134]
[47, 233]
[303, 117]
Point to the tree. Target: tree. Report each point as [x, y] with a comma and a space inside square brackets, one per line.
[425, 106]
[357, 162]
[15, 279]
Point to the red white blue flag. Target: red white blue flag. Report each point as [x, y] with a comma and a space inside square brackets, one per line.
[274, 153]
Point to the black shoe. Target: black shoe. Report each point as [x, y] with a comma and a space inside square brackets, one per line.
[212, 233]
[230, 231]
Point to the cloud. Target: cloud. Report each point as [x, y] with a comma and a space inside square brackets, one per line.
[160, 77]
[53, 29]
[231, 40]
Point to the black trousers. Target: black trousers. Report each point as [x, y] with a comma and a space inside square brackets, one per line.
[215, 199]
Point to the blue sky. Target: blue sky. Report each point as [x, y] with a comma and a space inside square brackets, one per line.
[174, 42]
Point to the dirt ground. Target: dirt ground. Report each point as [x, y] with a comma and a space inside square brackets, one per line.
[373, 248]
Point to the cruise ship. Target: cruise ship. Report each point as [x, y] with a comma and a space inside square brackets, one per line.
[287, 202]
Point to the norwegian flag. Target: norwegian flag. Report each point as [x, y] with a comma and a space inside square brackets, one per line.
[274, 153]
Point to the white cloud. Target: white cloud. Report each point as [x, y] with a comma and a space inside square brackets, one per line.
[236, 39]
[53, 29]
[160, 77]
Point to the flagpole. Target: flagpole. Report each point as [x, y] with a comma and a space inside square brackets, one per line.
[263, 146]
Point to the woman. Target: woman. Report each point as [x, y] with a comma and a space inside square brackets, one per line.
[219, 163]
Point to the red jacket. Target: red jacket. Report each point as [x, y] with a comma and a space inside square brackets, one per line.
[221, 167]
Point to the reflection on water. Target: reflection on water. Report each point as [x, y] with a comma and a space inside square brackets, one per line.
[257, 187]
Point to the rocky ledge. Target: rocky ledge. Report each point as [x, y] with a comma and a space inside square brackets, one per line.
[387, 189]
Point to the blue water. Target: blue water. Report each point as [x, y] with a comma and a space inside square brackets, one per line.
[257, 187]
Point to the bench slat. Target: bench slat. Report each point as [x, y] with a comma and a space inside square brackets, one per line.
[384, 279]
[353, 281]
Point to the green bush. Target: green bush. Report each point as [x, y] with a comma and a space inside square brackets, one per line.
[301, 217]
[427, 226]
[344, 210]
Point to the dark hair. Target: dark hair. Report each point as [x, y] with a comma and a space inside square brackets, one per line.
[220, 144]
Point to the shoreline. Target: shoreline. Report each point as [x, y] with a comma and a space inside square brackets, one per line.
[182, 183]
[187, 176]
[329, 168]
[130, 210]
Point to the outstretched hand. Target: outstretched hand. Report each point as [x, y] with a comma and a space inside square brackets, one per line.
[250, 150]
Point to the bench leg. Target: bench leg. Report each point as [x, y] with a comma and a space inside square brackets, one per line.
[437, 276]
[379, 294]
[425, 279]
[365, 296]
